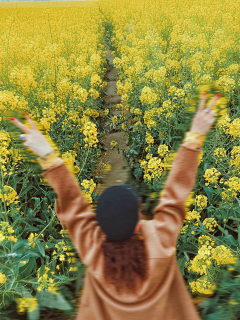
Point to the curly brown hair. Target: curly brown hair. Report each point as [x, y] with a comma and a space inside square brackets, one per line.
[123, 261]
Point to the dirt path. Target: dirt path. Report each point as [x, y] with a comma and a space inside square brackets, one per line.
[118, 174]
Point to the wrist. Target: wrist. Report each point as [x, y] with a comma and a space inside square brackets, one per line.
[49, 160]
[46, 152]
[195, 137]
[196, 131]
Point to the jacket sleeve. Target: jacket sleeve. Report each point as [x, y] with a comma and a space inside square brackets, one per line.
[74, 211]
[170, 212]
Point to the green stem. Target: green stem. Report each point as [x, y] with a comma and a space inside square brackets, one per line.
[54, 215]
[84, 162]
[2, 191]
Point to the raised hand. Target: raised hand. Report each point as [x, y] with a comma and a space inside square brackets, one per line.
[34, 139]
[204, 118]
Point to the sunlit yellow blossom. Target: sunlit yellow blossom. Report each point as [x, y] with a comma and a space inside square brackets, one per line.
[210, 223]
[149, 139]
[211, 176]
[201, 261]
[223, 255]
[31, 238]
[90, 132]
[2, 237]
[114, 119]
[189, 200]
[162, 150]
[148, 96]
[73, 269]
[202, 286]
[193, 215]
[24, 304]
[233, 187]
[53, 289]
[201, 201]
[224, 123]
[220, 154]
[89, 185]
[8, 194]
[205, 240]
[10, 230]
[12, 238]
[113, 143]
[95, 80]
[2, 277]
[235, 159]
[234, 128]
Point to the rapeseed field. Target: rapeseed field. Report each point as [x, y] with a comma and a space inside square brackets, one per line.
[167, 53]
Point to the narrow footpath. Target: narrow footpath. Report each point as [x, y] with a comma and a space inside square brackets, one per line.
[117, 174]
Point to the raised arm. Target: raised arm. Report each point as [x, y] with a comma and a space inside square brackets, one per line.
[170, 212]
[72, 209]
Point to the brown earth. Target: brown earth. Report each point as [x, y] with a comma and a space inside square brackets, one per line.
[118, 174]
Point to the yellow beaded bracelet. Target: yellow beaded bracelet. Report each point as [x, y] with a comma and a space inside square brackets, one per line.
[195, 137]
[49, 160]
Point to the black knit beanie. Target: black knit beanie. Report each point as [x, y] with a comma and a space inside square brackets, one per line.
[117, 212]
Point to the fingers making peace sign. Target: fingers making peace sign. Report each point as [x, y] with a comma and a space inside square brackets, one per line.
[34, 139]
[23, 127]
[204, 118]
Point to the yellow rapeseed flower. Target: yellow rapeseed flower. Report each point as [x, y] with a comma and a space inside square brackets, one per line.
[2, 277]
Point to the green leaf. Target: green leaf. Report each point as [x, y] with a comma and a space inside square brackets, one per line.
[239, 236]
[41, 248]
[30, 212]
[205, 166]
[238, 201]
[204, 303]
[181, 263]
[79, 284]
[230, 240]
[20, 243]
[132, 151]
[220, 228]
[16, 221]
[30, 254]
[138, 172]
[31, 229]
[28, 268]
[34, 315]
[186, 255]
[30, 186]
[42, 270]
[209, 191]
[54, 301]
[37, 201]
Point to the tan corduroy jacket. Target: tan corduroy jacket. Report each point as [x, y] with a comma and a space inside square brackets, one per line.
[164, 295]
